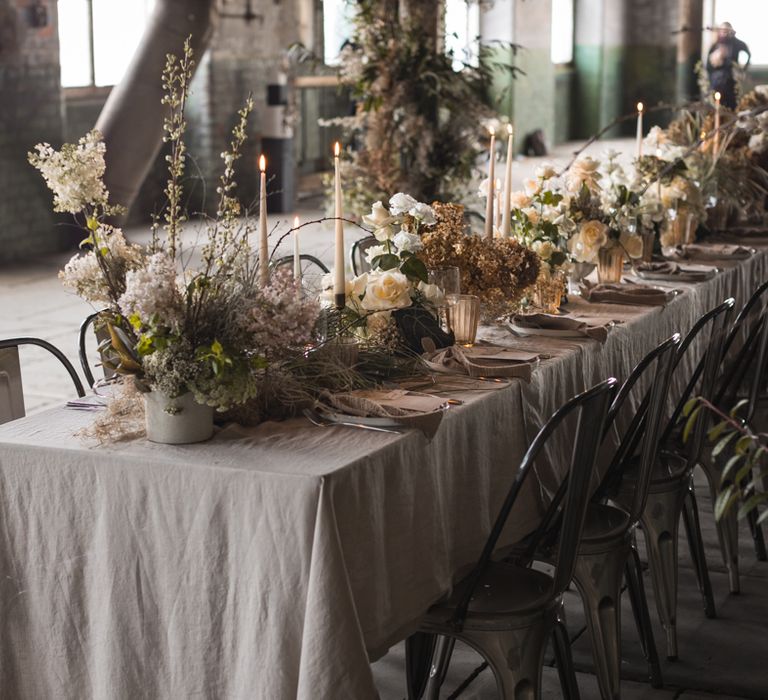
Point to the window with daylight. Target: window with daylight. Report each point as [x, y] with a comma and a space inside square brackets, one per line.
[462, 30]
[562, 31]
[337, 28]
[749, 18]
[97, 39]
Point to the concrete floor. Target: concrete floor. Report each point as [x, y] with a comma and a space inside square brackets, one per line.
[721, 658]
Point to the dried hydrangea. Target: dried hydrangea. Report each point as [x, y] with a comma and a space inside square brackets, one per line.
[74, 174]
[499, 271]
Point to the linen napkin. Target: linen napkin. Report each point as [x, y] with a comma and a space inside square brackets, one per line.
[404, 408]
[482, 361]
[556, 326]
[712, 251]
[636, 294]
[675, 271]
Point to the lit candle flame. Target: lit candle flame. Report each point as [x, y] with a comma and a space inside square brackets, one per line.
[717, 97]
[262, 163]
[703, 134]
[639, 106]
[491, 131]
[658, 153]
[295, 222]
[498, 184]
[510, 129]
[336, 149]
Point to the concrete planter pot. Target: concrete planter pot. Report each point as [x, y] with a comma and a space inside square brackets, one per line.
[177, 421]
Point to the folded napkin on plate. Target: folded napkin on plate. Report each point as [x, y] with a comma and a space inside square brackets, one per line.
[712, 251]
[409, 409]
[638, 294]
[556, 326]
[482, 361]
[668, 270]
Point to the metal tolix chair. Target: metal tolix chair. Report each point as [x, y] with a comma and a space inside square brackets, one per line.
[312, 271]
[508, 612]
[357, 254]
[11, 392]
[607, 552]
[671, 493]
[740, 377]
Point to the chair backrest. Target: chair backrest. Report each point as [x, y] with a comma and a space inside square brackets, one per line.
[11, 393]
[702, 379]
[760, 374]
[592, 407]
[82, 346]
[312, 271]
[357, 254]
[645, 426]
[735, 358]
[13, 372]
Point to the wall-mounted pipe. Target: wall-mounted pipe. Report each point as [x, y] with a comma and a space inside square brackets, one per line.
[132, 118]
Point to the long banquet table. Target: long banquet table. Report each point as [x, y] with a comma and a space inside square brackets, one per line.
[278, 561]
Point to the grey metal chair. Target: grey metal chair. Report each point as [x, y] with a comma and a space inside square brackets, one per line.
[508, 612]
[312, 271]
[740, 376]
[10, 375]
[357, 254]
[82, 346]
[671, 493]
[607, 552]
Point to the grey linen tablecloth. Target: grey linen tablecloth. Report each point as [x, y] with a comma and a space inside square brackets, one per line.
[274, 562]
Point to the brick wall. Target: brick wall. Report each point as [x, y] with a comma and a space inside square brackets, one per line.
[30, 112]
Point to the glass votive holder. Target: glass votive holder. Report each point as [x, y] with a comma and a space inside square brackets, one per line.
[649, 239]
[464, 316]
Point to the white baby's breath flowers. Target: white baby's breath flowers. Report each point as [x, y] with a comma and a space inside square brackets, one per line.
[152, 293]
[74, 174]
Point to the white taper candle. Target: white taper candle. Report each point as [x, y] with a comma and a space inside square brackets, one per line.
[506, 212]
[491, 183]
[263, 234]
[339, 279]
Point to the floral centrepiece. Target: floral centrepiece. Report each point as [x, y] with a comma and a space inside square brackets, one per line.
[398, 277]
[208, 329]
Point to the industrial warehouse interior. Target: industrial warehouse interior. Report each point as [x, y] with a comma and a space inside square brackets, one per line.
[387, 349]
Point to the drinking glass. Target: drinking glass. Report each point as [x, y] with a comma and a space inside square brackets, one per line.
[448, 279]
[464, 315]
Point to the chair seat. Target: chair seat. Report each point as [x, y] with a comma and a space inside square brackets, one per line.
[603, 523]
[668, 467]
[506, 594]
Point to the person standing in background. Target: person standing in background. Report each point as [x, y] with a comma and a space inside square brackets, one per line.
[723, 57]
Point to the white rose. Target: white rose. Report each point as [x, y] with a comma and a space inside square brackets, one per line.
[381, 221]
[532, 186]
[401, 203]
[432, 293]
[543, 249]
[386, 290]
[546, 172]
[407, 242]
[594, 234]
[584, 171]
[532, 214]
[632, 244]
[520, 200]
[378, 322]
[354, 288]
[373, 251]
[424, 213]
[482, 190]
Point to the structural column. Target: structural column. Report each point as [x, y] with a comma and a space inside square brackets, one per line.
[689, 48]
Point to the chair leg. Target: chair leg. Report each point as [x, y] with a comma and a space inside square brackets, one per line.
[440, 660]
[598, 578]
[636, 588]
[419, 649]
[696, 546]
[562, 644]
[757, 536]
[661, 521]
[516, 656]
[727, 527]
